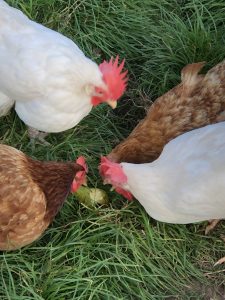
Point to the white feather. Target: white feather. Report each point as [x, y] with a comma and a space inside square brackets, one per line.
[187, 182]
[44, 72]
[5, 104]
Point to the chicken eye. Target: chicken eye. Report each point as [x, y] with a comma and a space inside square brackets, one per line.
[99, 92]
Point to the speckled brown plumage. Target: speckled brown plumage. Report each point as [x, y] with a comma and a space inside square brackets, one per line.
[31, 193]
[197, 101]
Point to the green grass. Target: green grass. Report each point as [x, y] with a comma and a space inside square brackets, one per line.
[119, 252]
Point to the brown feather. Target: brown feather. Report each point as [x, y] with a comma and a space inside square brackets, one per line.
[31, 193]
[197, 101]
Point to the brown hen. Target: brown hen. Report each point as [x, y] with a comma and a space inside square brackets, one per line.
[197, 101]
[31, 194]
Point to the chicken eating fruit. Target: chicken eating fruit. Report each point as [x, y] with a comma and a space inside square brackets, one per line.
[196, 102]
[31, 194]
[184, 185]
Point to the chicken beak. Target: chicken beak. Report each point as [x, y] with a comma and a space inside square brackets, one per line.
[85, 182]
[112, 103]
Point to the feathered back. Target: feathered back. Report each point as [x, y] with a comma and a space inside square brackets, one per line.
[204, 143]
[186, 183]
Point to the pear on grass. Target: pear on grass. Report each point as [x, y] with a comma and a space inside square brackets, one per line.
[91, 196]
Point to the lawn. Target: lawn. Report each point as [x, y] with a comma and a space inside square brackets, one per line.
[119, 252]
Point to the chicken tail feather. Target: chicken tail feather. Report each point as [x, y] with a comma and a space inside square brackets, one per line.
[190, 77]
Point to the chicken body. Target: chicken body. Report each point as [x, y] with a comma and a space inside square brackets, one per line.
[186, 183]
[45, 73]
[31, 194]
[197, 101]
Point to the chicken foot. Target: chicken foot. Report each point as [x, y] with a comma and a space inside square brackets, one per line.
[212, 224]
[221, 260]
[36, 135]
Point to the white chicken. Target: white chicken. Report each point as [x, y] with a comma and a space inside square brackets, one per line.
[53, 84]
[184, 185]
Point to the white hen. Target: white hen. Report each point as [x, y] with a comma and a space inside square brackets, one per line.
[54, 85]
[185, 184]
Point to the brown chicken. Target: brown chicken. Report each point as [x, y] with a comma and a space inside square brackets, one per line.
[31, 194]
[197, 101]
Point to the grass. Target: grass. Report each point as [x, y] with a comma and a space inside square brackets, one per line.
[119, 252]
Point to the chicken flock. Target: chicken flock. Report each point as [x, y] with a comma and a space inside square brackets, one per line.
[172, 162]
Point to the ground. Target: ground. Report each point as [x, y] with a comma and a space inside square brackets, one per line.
[119, 252]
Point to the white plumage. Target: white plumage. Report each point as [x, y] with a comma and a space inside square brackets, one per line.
[5, 104]
[45, 73]
[187, 182]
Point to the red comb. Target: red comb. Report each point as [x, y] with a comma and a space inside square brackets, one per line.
[113, 76]
[124, 193]
[109, 170]
[81, 161]
[113, 174]
[80, 178]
